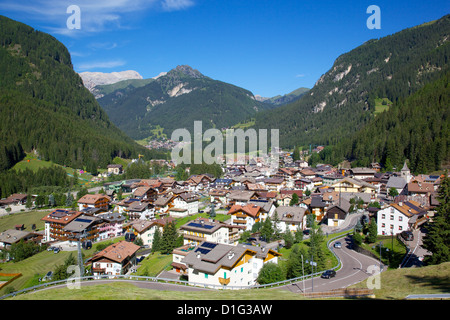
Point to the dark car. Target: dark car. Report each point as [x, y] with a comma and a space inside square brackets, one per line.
[130, 237]
[306, 232]
[407, 235]
[328, 274]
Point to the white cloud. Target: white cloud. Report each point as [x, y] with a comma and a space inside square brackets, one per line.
[96, 15]
[300, 75]
[100, 64]
[172, 5]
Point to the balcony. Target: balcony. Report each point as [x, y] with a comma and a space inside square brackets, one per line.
[224, 282]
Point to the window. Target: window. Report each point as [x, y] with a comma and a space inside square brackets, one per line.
[400, 218]
[400, 228]
[383, 216]
[206, 276]
[392, 217]
[383, 225]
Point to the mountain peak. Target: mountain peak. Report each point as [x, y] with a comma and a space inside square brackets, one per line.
[92, 79]
[188, 71]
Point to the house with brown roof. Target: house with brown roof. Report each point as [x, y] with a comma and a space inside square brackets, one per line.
[246, 215]
[163, 204]
[199, 182]
[417, 188]
[145, 193]
[399, 217]
[187, 201]
[14, 199]
[145, 229]
[291, 218]
[99, 201]
[115, 260]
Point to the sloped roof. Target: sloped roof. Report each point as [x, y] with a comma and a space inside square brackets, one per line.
[117, 252]
[250, 209]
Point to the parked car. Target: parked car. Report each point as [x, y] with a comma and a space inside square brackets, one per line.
[50, 248]
[407, 235]
[306, 231]
[48, 276]
[56, 250]
[338, 245]
[328, 274]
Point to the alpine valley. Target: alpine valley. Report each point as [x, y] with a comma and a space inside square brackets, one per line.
[175, 100]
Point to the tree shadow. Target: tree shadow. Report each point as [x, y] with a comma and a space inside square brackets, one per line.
[432, 282]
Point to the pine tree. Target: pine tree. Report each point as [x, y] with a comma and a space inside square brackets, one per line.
[437, 240]
[294, 199]
[156, 241]
[169, 238]
[267, 231]
[373, 230]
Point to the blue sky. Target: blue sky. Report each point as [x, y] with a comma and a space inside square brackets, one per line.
[268, 47]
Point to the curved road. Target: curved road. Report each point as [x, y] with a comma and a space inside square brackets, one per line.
[355, 267]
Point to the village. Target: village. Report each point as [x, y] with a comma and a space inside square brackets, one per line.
[221, 240]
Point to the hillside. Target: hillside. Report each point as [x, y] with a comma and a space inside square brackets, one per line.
[44, 106]
[280, 100]
[175, 100]
[343, 100]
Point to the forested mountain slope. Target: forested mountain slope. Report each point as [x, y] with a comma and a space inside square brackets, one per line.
[417, 129]
[177, 99]
[45, 107]
[343, 100]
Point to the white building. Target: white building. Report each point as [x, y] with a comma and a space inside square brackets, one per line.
[201, 229]
[291, 218]
[226, 265]
[116, 259]
[187, 201]
[396, 218]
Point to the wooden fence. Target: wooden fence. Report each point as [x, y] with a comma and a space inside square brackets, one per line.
[13, 276]
[346, 293]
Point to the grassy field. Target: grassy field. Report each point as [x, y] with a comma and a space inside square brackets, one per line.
[380, 107]
[398, 283]
[27, 218]
[33, 163]
[395, 284]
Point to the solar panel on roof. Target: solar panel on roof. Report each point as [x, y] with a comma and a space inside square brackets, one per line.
[198, 225]
[83, 220]
[209, 245]
[202, 250]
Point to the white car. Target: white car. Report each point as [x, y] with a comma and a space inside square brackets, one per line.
[338, 245]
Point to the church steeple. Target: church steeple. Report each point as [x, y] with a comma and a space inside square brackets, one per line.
[406, 173]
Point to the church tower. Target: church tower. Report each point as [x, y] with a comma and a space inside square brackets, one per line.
[405, 173]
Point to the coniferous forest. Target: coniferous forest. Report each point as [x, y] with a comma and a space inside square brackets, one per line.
[344, 101]
[44, 106]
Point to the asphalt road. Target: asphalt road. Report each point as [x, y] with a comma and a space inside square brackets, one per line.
[355, 268]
